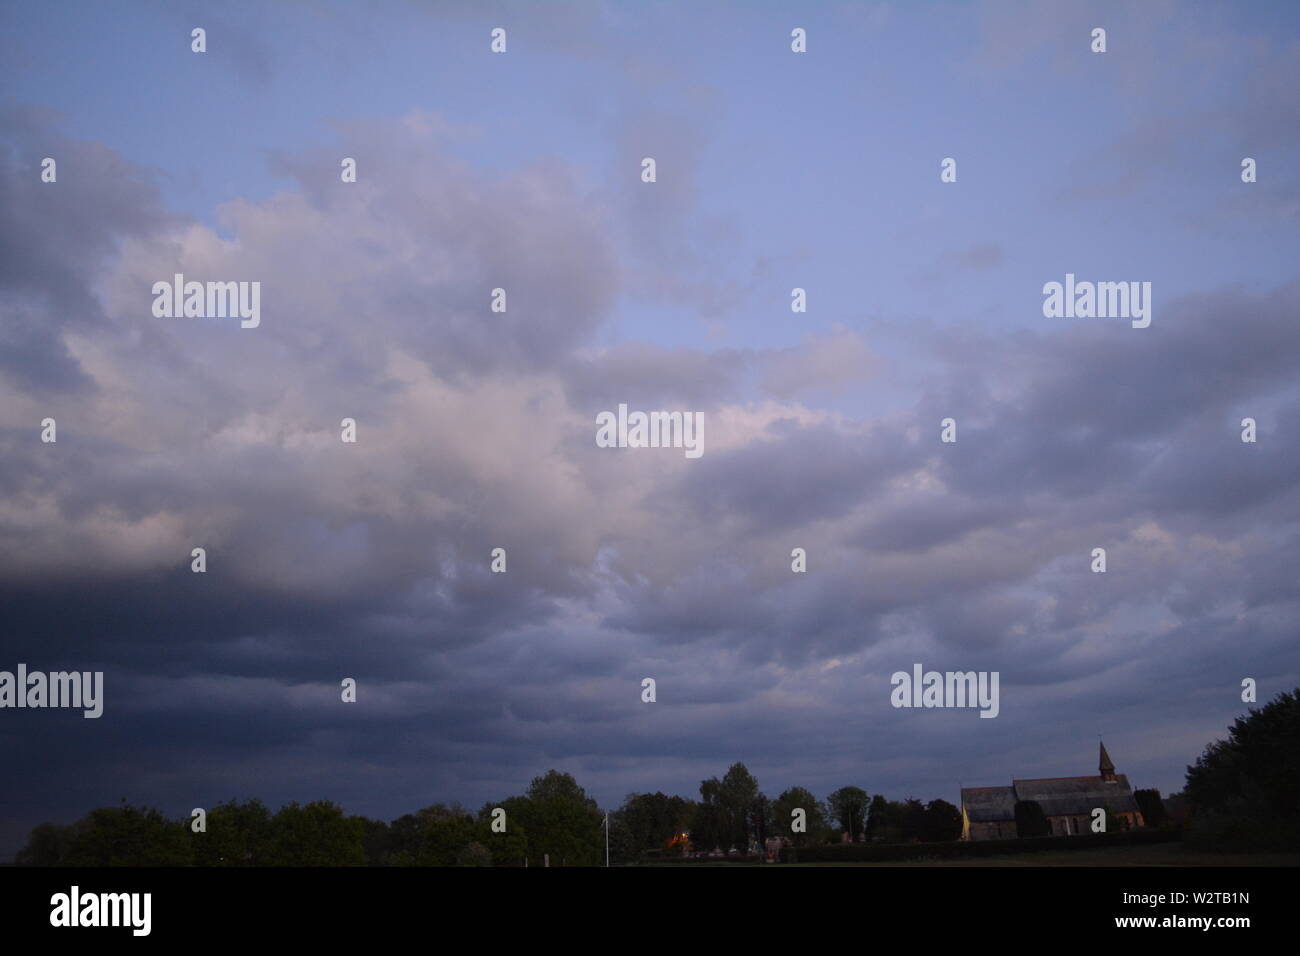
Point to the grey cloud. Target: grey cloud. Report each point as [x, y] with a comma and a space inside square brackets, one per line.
[476, 431]
[55, 239]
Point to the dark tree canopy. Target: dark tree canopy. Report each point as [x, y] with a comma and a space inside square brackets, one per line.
[127, 836]
[1152, 807]
[561, 821]
[878, 819]
[941, 823]
[47, 845]
[1245, 791]
[816, 825]
[848, 808]
[912, 820]
[1030, 819]
[655, 820]
[238, 834]
[732, 811]
[315, 834]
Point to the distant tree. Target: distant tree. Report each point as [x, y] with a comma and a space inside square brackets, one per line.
[238, 834]
[47, 845]
[1152, 807]
[815, 820]
[509, 848]
[653, 820]
[446, 833]
[561, 821]
[1176, 808]
[1030, 819]
[848, 808]
[745, 808]
[912, 820]
[374, 840]
[708, 825]
[878, 819]
[1245, 791]
[732, 811]
[405, 835]
[315, 834]
[623, 847]
[759, 821]
[941, 823]
[474, 854]
[128, 836]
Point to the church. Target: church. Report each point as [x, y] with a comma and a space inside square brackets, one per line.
[989, 813]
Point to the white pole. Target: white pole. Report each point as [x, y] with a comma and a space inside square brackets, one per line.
[606, 838]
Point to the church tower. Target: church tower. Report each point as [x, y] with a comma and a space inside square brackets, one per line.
[1106, 767]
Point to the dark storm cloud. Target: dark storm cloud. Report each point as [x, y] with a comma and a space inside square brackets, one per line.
[1092, 404]
[797, 474]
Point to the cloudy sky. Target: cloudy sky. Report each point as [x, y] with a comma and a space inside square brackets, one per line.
[476, 429]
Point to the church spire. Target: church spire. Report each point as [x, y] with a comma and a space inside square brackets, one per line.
[1105, 766]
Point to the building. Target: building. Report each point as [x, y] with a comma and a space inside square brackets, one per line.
[989, 813]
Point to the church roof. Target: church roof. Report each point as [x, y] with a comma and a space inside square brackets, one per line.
[1058, 796]
[988, 804]
[1063, 796]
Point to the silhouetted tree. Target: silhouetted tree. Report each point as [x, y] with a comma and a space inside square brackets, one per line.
[446, 833]
[1152, 807]
[237, 834]
[47, 845]
[732, 811]
[941, 823]
[801, 798]
[1030, 819]
[315, 834]
[912, 820]
[878, 821]
[848, 807]
[654, 819]
[709, 826]
[1245, 790]
[128, 836]
[375, 840]
[508, 848]
[744, 806]
[560, 820]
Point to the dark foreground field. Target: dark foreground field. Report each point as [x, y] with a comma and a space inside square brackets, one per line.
[1158, 855]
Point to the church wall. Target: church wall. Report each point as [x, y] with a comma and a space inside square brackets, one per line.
[995, 830]
[1072, 825]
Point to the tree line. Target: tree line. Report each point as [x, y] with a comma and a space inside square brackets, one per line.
[553, 822]
[1243, 793]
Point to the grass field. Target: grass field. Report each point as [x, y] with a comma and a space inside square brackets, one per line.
[1158, 854]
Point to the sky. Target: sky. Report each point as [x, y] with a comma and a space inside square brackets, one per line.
[522, 170]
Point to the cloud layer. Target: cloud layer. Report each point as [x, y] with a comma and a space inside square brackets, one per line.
[329, 560]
